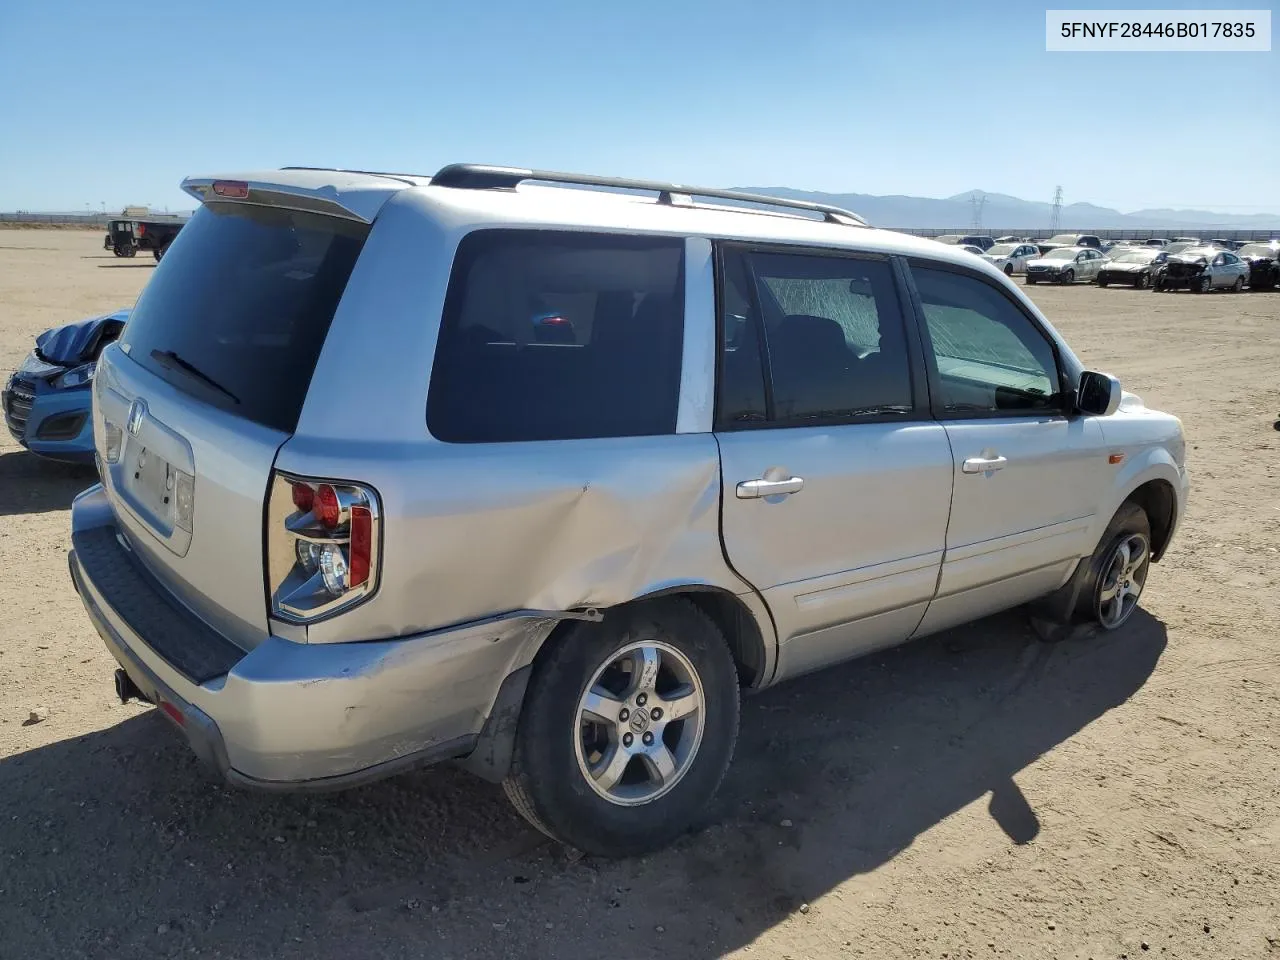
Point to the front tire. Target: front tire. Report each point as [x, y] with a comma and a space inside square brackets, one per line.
[1119, 568]
[627, 729]
[1142, 281]
[1101, 282]
[1105, 591]
[1203, 285]
[1030, 282]
[1068, 276]
[1238, 285]
[1008, 269]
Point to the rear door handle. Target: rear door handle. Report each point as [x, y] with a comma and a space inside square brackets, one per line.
[755, 489]
[983, 464]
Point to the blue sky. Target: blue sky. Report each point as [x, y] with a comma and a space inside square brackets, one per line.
[116, 103]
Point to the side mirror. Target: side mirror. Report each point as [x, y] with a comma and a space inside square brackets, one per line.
[1098, 394]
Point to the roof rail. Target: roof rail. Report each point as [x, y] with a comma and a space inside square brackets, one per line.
[477, 176]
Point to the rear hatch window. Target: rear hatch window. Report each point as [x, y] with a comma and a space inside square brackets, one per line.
[238, 310]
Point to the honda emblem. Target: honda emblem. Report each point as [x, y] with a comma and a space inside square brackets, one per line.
[137, 410]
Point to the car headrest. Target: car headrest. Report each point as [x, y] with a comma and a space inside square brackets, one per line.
[806, 332]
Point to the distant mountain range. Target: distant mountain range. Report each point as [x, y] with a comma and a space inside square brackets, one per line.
[1003, 211]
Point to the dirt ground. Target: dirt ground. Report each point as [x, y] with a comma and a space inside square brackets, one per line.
[975, 794]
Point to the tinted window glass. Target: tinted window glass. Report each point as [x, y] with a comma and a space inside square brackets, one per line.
[741, 397]
[549, 335]
[835, 337]
[991, 357]
[245, 296]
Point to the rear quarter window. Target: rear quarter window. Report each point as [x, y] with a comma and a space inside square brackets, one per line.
[557, 335]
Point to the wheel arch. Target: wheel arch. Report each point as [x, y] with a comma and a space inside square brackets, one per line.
[1159, 501]
[743, 620]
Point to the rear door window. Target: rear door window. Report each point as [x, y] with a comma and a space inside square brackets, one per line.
[834, 337]
[238, 310]
[554, 335]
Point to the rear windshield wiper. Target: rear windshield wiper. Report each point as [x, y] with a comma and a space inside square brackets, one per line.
[170, 359]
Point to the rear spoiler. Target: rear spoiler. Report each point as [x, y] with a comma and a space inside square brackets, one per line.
[351, 196]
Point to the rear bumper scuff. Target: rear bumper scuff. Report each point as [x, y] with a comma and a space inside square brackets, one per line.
[297, 716]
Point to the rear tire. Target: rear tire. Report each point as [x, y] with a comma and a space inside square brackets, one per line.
[615, 783]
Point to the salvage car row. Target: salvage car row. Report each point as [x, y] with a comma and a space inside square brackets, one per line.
[1156, 264]
[1196, 268]
[1199, 265]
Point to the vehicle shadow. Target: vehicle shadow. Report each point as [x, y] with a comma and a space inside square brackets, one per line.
[31, 484]
[858, 761]
[129, 263]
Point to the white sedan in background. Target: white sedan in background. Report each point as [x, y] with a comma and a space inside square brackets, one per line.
[1011, 257]
[1065, 265]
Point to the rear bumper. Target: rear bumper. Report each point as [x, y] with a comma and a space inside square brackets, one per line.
[285, 715]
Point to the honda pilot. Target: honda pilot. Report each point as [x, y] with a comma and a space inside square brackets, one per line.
[490, 468]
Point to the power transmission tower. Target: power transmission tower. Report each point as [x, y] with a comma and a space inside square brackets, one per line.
[976, 203]
[1055, 215]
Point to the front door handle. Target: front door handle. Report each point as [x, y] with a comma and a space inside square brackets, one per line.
[983, 464]
[755, 489]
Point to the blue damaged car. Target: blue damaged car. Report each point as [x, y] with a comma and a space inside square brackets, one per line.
[46, 400]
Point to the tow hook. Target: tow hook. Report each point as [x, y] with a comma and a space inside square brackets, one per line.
[127, 690]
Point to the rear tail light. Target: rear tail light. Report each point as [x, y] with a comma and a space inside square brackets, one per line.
[303, 496]
[361, 544]
[322, 546]
[326, 509]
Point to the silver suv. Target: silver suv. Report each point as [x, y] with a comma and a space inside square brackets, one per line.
[491, 468]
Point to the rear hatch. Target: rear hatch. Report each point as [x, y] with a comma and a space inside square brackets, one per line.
[206, 383]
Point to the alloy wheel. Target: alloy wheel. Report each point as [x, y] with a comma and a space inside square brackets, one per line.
[639, 723]
[1122, 580]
